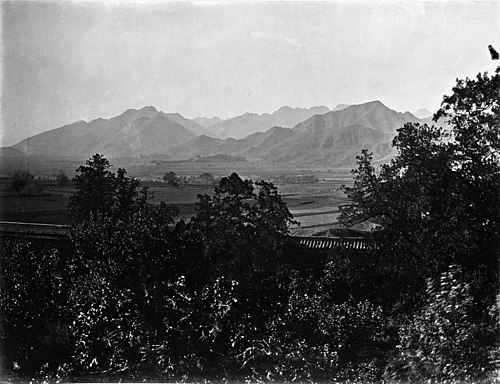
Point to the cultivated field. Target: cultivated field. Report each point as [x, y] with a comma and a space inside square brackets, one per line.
[314, 205]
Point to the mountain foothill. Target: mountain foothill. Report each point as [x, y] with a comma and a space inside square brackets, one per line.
[298, 135]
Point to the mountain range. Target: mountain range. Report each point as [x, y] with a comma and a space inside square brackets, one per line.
[335, 137]
[207, 121]
[316, 134]
[241, 126]
[423, 113]
[132, 133]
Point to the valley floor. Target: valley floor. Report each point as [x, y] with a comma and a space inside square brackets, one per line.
[315, 205]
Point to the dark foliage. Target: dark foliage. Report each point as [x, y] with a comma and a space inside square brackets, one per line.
[33, 309]
[100, 190]
[170, 178]
[438, 205]
[25, 183]
[438, 200]
[206, 178]
[441, 340]
[62, 178]
[228, 295]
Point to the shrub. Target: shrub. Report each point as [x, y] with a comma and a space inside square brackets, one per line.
[34, 316]
[443, 340]
[62, 178]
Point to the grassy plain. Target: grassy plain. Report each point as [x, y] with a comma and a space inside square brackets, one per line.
[314, 205]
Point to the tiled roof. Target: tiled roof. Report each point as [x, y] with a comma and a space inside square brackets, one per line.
[34, 230]
[334, 242]
[52, 231]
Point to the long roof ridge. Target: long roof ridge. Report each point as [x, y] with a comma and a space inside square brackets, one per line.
[63, 231]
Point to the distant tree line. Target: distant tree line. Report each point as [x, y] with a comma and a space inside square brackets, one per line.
[25, 183]
[172, 179]
[296, 179]
[229, 295]
[218, 158]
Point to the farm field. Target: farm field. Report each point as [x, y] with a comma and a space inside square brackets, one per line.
[149, 169]
[314, 205]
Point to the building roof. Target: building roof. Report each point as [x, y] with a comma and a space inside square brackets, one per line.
[34, 230]
[334, 242]
[62, 232]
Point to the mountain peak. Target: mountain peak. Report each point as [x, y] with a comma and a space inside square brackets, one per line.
[374, 105]
[148, 111]
[377, 103]
[148, 108]
[207, 121]
[340, 107]
[134, 132]
[422, 113]
[284, 108]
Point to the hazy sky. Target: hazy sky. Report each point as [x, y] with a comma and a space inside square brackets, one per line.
[69, 61]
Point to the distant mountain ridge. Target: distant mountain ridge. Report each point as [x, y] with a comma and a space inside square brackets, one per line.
[340, 107]
[333, 137]
[206, 121]
[132, 133]
[338, 136]
[423, 113]
[148, 130]
[241, 126]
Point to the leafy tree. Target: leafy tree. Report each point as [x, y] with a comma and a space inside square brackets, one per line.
[206, 178]
[313, 337]
[34, 319]
[62, 178]
[127, 286]
[241, 232]
[136, 313]
[437, 200]
[25, 183]
[170, 178]
[20, 179]
[438, 204]
[443, 341]
[95, 187]
[473, 110]
[237, 221]
[100, 190]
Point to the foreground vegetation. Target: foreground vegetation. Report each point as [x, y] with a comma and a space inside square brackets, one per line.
[229, 296]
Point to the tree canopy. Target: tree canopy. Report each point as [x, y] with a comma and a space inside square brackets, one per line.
[99, 190]
[438, 200]
[170, 178]
[144, 295]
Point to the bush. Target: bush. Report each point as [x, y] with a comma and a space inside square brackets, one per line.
[171, 179]
[61, 178]
[115, 336]
[206, 178]
[313, 338]
[25, 183]
[444, 340]
[34, 314]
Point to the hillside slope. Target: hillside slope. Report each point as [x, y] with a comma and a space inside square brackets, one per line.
[132, 133]
[335, 138]
[241, 126]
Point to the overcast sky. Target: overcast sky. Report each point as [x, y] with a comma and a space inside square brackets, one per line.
[69, 61]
